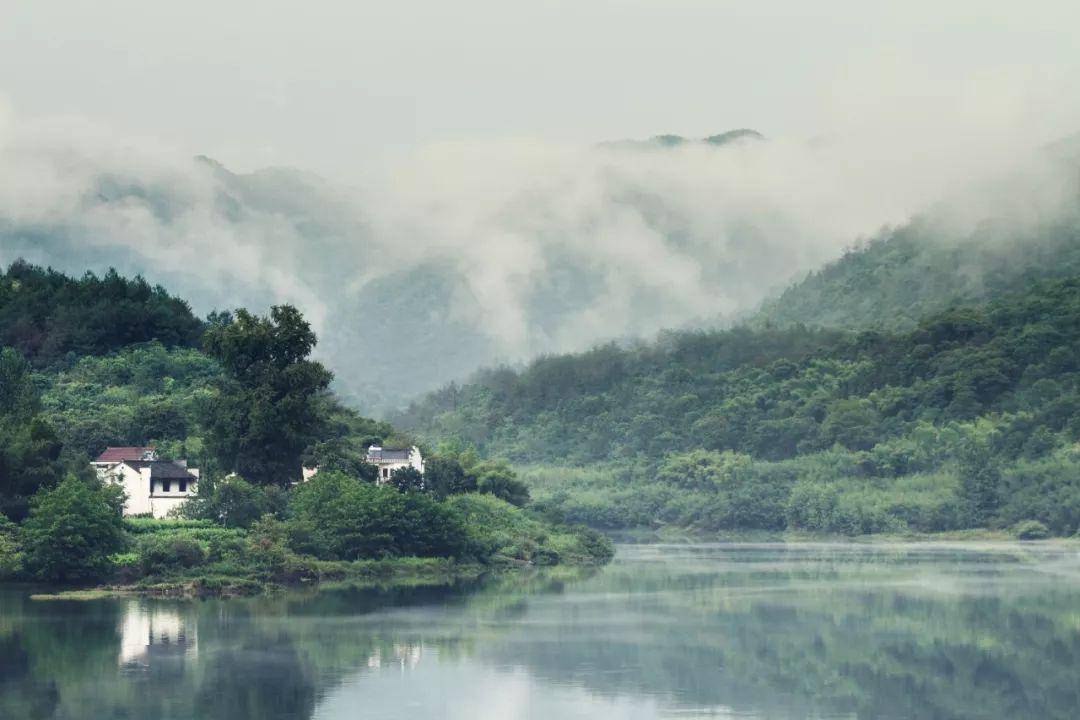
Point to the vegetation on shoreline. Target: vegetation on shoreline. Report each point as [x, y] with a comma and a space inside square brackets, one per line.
[968, 420]
[251, 409]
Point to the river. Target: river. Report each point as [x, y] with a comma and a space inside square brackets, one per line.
[666, 631]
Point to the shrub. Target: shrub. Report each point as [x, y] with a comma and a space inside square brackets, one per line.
[337, 517]
[1030, 530]
[144, 525]
[407, 479]
[11, 556]
[501, 530]
[72, 530]
[233, 502]
[266, 548]
[498, 479]
[168, 553]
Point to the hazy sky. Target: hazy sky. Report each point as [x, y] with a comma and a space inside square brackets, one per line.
[338, 85]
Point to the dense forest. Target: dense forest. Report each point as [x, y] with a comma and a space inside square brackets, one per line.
[896, 278]
[48, 316]
[967, 419]
[112, 361]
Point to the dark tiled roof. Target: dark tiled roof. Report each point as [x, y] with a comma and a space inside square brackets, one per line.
[120, 454]
[163, 469]
[387, 454]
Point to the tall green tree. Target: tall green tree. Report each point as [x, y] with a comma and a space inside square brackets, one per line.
[29, 448]
[264, 414]
[407, 480]
[980, 482]
[444, 476]
[72, 530]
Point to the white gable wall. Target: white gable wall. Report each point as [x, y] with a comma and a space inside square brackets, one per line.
[387, 467]
[142, 498]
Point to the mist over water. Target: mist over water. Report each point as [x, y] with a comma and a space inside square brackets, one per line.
[816, 630]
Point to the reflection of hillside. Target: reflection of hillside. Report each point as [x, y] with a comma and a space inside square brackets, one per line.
[917, 633]
[766, 631]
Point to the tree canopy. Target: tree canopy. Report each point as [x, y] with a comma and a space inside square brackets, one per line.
[264, 414]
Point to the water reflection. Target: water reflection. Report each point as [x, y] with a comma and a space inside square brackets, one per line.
[751, 631]
[152, 632]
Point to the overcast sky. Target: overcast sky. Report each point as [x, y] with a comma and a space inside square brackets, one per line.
[338, 85]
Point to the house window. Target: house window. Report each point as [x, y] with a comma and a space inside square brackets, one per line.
[183, 486]
[166, 485]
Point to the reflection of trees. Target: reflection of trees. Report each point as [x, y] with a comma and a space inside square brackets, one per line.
[789, 634]
[265, 677]
[21, 694]
[818, 637]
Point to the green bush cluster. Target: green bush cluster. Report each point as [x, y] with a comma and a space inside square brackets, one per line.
[158, 553]
[1030, 530]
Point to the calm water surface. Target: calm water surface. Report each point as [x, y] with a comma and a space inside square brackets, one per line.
[699, 631]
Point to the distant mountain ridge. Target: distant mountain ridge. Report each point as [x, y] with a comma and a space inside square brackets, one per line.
[405, 305]
[668, 141]
[902, 275]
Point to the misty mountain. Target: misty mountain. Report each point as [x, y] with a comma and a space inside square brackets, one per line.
[895, 279]
[669, 141]
[1000, 238]
[463, 257]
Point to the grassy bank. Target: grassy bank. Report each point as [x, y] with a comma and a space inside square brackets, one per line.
[197, 558]
[213, 581]
[678, 535]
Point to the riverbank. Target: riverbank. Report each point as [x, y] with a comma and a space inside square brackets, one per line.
[689, 536]
[213, 582]
[185, 558]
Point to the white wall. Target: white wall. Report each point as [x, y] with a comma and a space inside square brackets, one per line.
[141, 498]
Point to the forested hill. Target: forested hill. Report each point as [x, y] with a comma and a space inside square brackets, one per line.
[46, 315]
[94, 361]
[901, 275]
[690, 427]
[775, 393]
[107, 361]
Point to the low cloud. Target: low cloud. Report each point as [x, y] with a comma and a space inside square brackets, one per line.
[547, 247]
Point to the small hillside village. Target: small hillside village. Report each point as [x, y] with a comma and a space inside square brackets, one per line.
[157, 487]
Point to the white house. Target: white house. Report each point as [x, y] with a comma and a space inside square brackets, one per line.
[387, 460]
[153, 486]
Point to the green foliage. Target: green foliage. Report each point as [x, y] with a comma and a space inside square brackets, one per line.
[407, 480]
[11, 556]
[233, 502]
[148, 525]
[980, 395]
[502, 531]
[266, 546]
[1030, 530]
[499, 479]
[901, 276]
[72, 530]
[159, 553]
[253, 402]
[1045, 489]
[29, 448]
[777, 394]
[444, 476]
[980, 478]
[141, 395]
[338, 517]
[264, 415]
[46, 315]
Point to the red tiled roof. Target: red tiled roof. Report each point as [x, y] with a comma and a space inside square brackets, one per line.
[120, 454]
